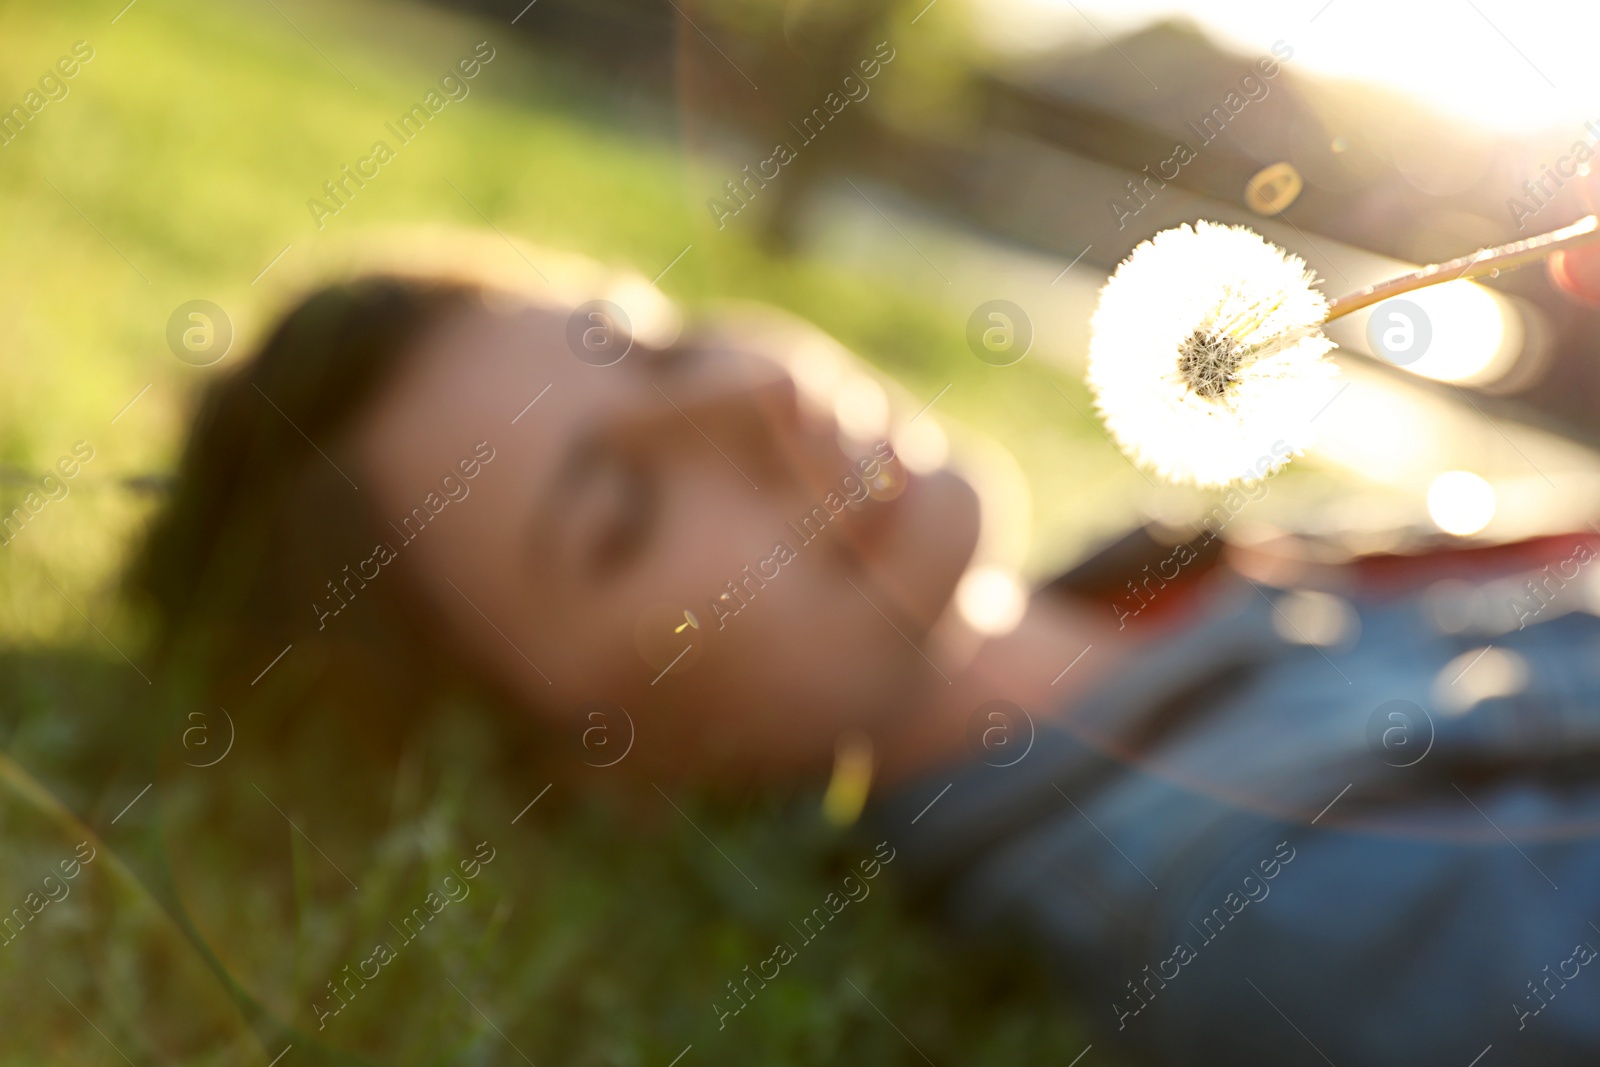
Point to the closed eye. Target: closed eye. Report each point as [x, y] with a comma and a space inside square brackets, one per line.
[620, 506]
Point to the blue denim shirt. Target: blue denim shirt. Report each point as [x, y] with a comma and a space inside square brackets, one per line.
[1233, 856]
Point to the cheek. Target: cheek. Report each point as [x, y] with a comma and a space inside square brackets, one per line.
[487, 586]
[809, 651]
[783, 646]
[710, 526]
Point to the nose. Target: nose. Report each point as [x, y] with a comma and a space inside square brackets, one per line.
[752, 403]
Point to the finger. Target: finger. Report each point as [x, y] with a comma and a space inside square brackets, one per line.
[1576, 272]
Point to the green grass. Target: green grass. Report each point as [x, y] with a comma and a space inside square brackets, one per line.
[177, 168]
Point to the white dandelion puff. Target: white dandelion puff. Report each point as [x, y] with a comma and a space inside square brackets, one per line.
[1207, 358]
[1206, 355]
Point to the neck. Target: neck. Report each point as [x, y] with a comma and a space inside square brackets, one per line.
[1055, 655]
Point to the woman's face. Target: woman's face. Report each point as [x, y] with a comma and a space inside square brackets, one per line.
[588, 557]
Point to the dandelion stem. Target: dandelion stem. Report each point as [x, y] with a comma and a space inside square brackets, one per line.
[1487, 261]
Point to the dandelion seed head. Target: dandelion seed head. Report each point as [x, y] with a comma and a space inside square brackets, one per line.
[1209, 362]
[1206, 357]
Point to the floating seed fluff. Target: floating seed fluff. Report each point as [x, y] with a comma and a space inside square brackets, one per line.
[1206, 355]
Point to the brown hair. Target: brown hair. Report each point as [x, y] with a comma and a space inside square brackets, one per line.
[268, 512]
